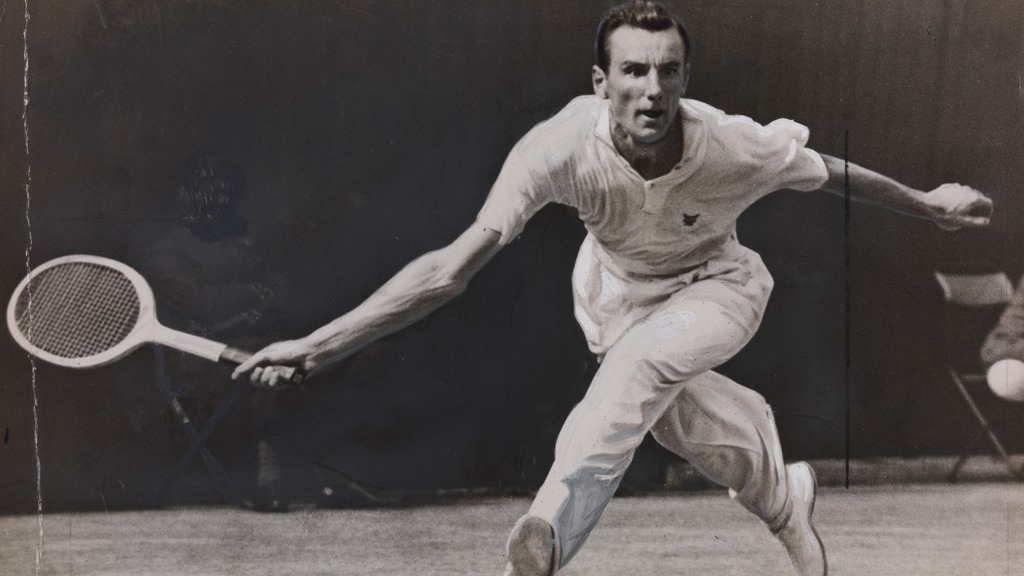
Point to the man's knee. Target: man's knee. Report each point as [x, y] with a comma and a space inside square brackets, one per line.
[711, 389]
[720, 425]
[667, 366]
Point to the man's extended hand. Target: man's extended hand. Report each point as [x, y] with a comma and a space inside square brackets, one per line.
[264, 366]
[953, 206]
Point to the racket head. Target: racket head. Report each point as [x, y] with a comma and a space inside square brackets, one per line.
[81, 311]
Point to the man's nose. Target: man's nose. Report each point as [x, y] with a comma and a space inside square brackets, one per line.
[654, 88]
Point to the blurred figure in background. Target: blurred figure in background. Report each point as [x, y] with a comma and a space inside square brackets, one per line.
[1002, 354]
[209, 280]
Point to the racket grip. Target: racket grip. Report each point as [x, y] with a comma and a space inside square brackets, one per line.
[293, 376]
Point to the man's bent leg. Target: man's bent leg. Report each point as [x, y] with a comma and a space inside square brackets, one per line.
[639, 377]
[728, 432]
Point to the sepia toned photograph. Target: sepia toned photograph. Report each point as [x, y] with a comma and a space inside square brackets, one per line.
[512, 288]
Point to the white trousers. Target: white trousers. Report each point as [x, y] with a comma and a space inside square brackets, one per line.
[660, 339]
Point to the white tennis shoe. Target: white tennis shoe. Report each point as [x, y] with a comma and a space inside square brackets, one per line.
[532, 548]
[797, 532]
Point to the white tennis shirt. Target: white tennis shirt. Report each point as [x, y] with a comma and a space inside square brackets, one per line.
[653, 227]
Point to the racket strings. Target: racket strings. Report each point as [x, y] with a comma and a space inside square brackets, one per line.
[77, 309]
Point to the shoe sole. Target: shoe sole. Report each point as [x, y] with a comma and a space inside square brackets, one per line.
[532, 549]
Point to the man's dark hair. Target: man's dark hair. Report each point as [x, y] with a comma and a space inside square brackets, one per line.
[643, 14]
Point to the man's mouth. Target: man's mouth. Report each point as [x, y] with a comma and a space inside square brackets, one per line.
[652, 114]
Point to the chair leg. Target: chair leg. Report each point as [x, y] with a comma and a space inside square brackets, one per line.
[954, 474]
[220, 476]
[195, 447]
[1018, 473]
[985, 427]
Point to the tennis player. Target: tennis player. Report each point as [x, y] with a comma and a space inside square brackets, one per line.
[664, 292]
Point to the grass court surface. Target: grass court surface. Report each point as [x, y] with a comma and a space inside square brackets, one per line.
[970, 529]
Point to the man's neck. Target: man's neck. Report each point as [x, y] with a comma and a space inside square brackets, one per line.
[653, 159]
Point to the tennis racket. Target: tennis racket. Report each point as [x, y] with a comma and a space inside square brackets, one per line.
[86, 311]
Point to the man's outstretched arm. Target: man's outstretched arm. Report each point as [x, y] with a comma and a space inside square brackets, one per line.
[418, 289]
[951, 206]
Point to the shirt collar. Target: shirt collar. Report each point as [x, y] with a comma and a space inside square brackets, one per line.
[694, 136]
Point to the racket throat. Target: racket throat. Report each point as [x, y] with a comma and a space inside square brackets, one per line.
[190, 343]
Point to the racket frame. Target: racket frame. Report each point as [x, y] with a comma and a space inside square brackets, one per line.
[147, 328]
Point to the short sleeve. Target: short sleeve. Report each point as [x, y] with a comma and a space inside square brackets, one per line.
[792, 165]
[542, 168]
[515, 197]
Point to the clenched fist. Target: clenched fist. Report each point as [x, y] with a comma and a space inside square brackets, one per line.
[953, 206]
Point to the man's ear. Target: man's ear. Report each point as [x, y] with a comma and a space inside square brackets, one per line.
[686, 78]
[600, 80]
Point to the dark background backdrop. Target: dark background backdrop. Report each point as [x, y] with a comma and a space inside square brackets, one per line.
[370, 132]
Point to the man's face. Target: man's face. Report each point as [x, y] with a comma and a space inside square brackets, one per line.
[645, 79]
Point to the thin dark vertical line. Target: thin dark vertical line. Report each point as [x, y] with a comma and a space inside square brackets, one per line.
[846, 291]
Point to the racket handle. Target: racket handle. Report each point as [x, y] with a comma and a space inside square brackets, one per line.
[293, 376]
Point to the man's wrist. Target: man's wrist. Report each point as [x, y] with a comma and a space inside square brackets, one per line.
[924, 203]
[318, 350]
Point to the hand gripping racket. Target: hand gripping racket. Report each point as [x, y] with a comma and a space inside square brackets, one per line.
[86, 311]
